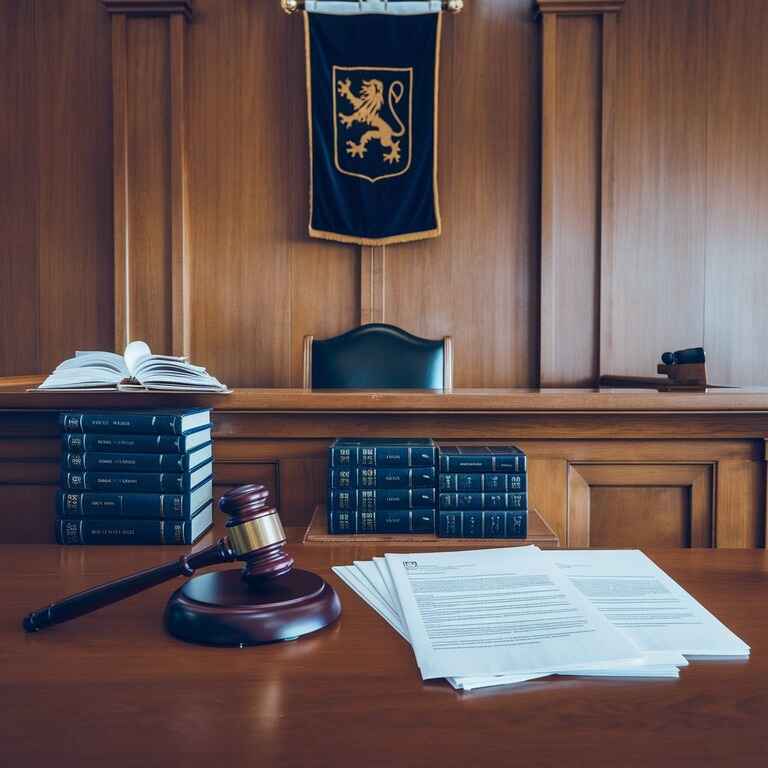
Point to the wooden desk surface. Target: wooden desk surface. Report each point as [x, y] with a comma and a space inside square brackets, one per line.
[112, 689]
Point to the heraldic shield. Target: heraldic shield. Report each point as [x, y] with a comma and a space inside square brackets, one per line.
[372, 93]
[373, 111]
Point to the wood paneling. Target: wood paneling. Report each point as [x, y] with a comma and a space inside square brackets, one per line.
[570, 257]
[55, 182]
[663, 251]
[637, 505]
[653, 286]
[736, 313]
[478, 282]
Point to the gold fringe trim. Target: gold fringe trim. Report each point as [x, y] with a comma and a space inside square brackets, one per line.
[408, 237]
[392, 240]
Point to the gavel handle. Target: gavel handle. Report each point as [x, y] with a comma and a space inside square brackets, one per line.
[106, 594]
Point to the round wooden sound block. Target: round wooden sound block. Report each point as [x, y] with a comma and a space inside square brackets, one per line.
[222, 608]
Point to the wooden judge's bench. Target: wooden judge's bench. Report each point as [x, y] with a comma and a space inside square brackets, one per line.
[606, 467]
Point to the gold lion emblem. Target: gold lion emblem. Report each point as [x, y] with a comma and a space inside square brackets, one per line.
[367, 110]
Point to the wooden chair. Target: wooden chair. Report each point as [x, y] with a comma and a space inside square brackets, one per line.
[378, 356]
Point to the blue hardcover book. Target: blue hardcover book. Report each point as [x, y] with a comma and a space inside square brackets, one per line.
[387, 452]
[137, 462]
[483, 501]
[486, 524]
[405, 521]
[389, 477]
[78, 442]
[384, 499]
[482, 482]
[136, 482]
[482, 458]
[171, 506]
[167, 422]
[88, 530]
[342, 520]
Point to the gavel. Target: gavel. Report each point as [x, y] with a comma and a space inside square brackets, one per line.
[267, 600]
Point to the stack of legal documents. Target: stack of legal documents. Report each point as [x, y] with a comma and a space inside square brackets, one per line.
[501, 616]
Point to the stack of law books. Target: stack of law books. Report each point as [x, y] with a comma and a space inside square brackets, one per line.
[483, 492]
[505, 616]
[382, 486]
[144, 477]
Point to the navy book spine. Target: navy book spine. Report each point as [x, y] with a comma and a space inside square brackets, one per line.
[342, 520]
[450, 501]
[511, 462]
[392, 477]
[77, 442]
[487, 524]
[96, 531]
[127, 462]
[137, 482]
[383, 456]
[141, 423]
[483, 482]
[366, 501]
[174, 506]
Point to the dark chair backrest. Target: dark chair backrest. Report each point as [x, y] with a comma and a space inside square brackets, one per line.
[377, 356]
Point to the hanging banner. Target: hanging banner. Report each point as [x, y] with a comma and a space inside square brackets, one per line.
[372, 90]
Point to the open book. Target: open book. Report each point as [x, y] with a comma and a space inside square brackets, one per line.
[135, 370]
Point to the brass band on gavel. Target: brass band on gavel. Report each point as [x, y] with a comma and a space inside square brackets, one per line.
[451, 6]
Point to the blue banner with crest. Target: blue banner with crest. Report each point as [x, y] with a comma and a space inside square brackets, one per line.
[372, 86]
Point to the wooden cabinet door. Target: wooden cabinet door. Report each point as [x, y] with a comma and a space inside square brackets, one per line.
[641, 505]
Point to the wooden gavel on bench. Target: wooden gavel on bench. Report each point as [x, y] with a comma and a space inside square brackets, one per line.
[267, 600]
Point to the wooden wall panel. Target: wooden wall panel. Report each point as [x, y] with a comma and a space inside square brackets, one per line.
[258, 282]
[478, 282]
[149, 182]
[55, 183]
[74, 108]
[736, 314]
[653, 287]
[571, 214]
[19, 317]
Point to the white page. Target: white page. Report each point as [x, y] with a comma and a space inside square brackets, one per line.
[655, 664]
[500, 611]
[357, 584]
[637, 596]
[134, 353]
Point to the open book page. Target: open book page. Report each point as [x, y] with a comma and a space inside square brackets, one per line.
[136, 370]
[87, 370]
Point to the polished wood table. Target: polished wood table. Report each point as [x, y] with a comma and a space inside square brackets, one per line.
[112, 689]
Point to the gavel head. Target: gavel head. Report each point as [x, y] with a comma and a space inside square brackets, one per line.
[255, 533]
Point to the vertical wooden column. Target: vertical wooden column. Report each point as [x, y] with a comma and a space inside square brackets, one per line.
[578, 82]
[151, 207]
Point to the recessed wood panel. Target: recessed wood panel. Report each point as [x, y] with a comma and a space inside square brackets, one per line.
[653, 283]
[736, 316]
[148, 184]
[74, 136]
[639, 517]
[258, 282]
[478, 282]
[19, 310]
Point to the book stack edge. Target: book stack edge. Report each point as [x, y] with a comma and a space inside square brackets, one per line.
[144, 477]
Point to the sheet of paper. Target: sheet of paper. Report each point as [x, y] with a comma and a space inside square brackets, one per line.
[500, 611]
[657, 664]
[634, 594]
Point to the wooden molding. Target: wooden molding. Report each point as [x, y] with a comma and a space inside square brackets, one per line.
[307, 369]
[372, 283]
[149, 7]
[448, 363]
[579, 7]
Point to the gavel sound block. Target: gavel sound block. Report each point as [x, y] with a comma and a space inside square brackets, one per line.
[266, 601]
